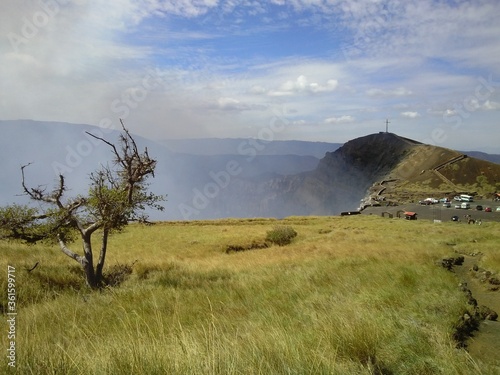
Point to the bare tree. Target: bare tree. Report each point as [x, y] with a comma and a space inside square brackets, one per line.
[117, 195]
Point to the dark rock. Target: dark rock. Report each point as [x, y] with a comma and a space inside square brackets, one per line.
[472, 301]
[486, 313]
[464, 328]
[234, 248]
[252, 246]
[494, 281]
[447, 263]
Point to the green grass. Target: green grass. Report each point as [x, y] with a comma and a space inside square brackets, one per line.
[353, 295]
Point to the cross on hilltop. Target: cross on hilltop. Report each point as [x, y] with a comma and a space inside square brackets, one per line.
[387, 122]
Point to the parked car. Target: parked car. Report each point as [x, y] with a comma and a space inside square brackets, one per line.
[479, 207]
[498, 209]
[487, 209]
[458, 206]
[457, 198]
[447, 204]
[465, 206]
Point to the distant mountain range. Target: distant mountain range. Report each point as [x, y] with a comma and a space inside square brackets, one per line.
[483, 156]
[184, 166]
[213, 178]
[241, 146]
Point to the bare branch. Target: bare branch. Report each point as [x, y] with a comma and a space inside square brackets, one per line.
[93, 227]
[75, 205]
[34, 194]
[80, 259]
[32, 268]
[134, 145]
[39, 194]
[103, 140]
[115, 151]
[58, 193]
[136, 166]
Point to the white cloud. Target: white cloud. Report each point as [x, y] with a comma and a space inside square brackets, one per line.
[330, 85]
[258, 90]
[229, 103]
[400, 91]
[346, 119]
[302, 85]
[89, 54]
[410, 114]
[462, 32]
[185, 8]
[491, 105]
[233, 104]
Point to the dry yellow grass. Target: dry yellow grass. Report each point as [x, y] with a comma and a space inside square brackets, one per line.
[350, 295]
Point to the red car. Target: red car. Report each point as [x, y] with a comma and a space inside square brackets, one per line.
[487, 209]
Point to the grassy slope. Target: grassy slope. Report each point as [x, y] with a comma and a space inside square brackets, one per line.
[416, 179]
[353, 295]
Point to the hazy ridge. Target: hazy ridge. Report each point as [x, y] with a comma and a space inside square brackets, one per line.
[217, 178]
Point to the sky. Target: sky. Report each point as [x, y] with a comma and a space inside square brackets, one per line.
[316, 70]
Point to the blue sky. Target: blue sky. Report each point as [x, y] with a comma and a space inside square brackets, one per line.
[320, 70]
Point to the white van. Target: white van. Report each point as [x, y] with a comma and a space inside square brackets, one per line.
[466, 198]
[465, 206]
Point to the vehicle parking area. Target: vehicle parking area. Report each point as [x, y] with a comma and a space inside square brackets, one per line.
[438, 211]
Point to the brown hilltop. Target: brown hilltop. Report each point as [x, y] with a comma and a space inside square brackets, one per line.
[389, 167]
[343, 177]
[431, 170]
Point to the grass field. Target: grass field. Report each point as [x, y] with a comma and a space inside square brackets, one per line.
[349, 295]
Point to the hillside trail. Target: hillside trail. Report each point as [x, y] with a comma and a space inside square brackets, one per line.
[484, 345]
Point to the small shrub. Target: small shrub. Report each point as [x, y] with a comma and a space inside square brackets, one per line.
[117, 274]
[281, 235]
